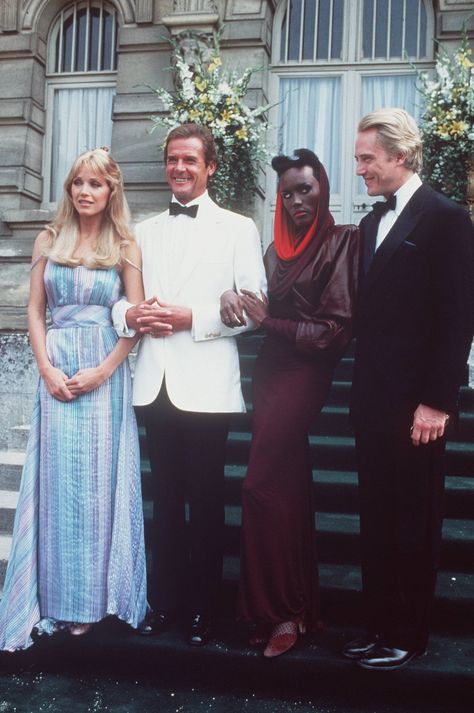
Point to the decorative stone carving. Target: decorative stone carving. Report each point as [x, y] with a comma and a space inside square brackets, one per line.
[144, 11]
[207, 6]
[187, 41]
[197, 15]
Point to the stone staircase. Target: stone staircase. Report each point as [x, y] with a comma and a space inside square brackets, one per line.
[11, 463]
[449, 666]
[337, 522]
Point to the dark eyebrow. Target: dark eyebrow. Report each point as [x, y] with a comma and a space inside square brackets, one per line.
[298, 187]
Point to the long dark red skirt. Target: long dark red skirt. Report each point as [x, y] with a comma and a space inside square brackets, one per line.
[279, 569]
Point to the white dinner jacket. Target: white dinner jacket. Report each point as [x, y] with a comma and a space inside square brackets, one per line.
[201, 366]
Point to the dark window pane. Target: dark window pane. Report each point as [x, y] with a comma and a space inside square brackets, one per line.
[337, 29]
[423, 30]
[56, 51]
[411, 25]
[80, 65]
[94, 40]
[367, 47]
[107, 42]
[67, 44]
[294, 31]
[283, 39]
[323, 30]
[308, 28]
[396, 26]
[381, 29]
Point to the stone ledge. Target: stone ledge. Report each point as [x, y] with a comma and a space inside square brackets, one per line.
[28, 216]
[13, 320]
[201, 21]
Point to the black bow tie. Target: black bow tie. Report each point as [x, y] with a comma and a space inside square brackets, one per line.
[177, 208]
[381, 207]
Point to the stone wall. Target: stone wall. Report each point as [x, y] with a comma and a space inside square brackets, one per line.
[143, 59]
[18, 379]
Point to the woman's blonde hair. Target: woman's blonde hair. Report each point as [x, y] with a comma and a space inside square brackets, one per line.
[397, 132]
[115, 232]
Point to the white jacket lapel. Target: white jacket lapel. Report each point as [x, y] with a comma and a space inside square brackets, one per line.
[203, 234]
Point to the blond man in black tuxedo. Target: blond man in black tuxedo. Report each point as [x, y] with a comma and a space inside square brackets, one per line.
[413, 330]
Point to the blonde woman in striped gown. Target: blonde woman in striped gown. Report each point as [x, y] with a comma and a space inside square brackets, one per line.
[78, 548]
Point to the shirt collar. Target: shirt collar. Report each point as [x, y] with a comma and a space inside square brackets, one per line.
[406, 191]
[200, 200]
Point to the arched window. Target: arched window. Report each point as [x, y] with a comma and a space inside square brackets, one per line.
[336, 60]
[394, 29]
[85, 39]
[313, 30]
[82, 62]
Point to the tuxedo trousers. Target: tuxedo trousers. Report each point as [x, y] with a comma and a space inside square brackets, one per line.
[187, 457]
[401, 492]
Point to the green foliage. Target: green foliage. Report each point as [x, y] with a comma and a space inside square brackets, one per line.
[208, 95]
[448, 121]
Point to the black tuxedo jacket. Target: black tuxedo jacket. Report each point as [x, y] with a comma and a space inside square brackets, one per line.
[415, 314]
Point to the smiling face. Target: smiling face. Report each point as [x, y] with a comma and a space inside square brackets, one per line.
[186, 170]
[90, 193]
[383, 173]
[299, 190]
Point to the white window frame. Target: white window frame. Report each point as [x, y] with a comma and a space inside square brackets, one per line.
[351, 68]
[68, 80]
[61, 82]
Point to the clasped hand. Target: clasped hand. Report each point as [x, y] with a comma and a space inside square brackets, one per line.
[157, 318]
[63, 388]
[233, 305]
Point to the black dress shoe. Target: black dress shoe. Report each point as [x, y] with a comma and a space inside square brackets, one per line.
[200, 631]
[153, 624]
[384, 658]
[358, 648]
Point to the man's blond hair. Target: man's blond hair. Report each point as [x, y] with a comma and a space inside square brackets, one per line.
[397, 132]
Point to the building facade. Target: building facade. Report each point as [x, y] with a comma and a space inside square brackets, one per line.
[77, 74]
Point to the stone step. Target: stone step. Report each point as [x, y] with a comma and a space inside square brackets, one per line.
[8, 503]
[11, 464]
[336, 491]
[334, 420]
[341, 587]
[338, 453]
[5, 547]
[312, 676]
[338, 539]
[18, 437]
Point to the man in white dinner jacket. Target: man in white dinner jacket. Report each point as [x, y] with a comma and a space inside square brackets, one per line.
[187, 375]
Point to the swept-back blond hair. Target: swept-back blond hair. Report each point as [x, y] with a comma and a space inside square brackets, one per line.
[115, 232]
[397, 132]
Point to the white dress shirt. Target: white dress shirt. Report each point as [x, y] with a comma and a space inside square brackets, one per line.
[403, 195]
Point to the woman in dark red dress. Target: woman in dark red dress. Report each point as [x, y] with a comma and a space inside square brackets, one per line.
[312, 278]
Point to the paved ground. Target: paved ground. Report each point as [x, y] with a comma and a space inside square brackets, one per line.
[114, 671]
[29, 692]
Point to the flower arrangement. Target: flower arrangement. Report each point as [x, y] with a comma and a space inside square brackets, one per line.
[207, 95]
[447, 126]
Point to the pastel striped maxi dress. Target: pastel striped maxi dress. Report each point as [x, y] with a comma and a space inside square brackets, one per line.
[78, 546]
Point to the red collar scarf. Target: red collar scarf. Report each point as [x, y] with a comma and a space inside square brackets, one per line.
[292, 256]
